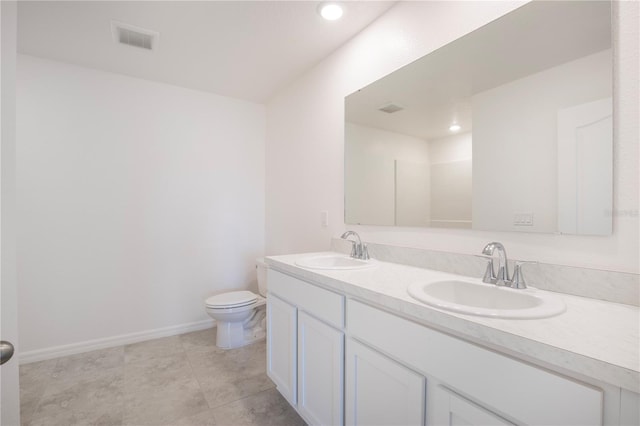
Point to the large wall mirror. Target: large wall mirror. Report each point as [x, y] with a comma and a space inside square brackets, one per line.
[508, 128]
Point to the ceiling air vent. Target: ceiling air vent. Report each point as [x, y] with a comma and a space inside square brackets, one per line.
[134, 36]
[390, 108]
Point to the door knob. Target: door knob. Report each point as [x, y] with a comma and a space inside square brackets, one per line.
[6, 351]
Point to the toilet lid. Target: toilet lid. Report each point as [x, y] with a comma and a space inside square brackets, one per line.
[231, 299]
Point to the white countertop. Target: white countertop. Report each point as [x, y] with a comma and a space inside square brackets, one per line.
[593, 338]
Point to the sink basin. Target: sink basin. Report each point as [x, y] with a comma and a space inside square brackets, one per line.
[486, 299]
[334, 261]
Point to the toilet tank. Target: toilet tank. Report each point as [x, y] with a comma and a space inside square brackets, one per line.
[261, 270]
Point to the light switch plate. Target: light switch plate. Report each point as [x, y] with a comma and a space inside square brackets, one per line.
[324, 218]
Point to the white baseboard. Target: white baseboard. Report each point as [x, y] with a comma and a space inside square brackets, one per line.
[109, 342]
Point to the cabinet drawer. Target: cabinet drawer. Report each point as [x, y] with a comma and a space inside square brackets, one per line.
[511, 388]
[323, 304]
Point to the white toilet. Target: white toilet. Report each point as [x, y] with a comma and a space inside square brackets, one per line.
[240, 315]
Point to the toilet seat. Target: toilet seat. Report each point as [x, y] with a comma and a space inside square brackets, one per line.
[233, 299]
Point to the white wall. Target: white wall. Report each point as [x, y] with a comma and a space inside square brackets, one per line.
[371, 185]
[305, 142]
[452, 148]
[515, 139]
[136, 201]
[451, 185]
[413, 192]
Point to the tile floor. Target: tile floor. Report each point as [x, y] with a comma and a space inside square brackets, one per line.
[181, 380]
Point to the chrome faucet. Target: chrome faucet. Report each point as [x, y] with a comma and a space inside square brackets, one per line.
[358, 250]
[502, 277]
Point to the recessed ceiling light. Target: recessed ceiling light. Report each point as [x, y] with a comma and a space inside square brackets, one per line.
[455, 127]
[330, 11]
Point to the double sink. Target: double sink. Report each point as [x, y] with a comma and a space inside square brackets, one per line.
[459, 294]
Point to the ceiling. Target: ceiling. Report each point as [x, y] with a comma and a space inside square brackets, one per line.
[437, 89]
[242, 49]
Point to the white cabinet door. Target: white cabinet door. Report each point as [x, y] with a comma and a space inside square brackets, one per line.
[453, 410]
[380, 391]
[281, 346]
[320, 371]
[629, 408]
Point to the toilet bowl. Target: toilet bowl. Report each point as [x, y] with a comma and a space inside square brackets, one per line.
[240, 315]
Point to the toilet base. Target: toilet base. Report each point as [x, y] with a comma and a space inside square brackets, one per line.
[230, 335]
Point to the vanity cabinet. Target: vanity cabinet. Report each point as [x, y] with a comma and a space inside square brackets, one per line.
[305, 347]
[494, 386]
[339, 360]
[379, 391]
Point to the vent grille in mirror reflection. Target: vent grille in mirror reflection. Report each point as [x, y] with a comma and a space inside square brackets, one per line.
[390, 108]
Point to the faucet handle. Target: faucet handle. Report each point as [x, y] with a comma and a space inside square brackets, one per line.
[489, 274]
[354, 250]
[518, 278]
[365, 252]
[502, 277]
